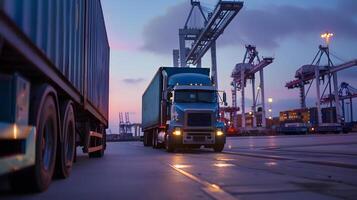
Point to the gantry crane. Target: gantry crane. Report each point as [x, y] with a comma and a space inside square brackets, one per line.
[124, 124]
[244, 71]
[306, 75]
[204, 38]
[345, 92]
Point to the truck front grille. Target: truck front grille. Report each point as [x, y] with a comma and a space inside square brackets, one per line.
[11, 147]
[199, 119]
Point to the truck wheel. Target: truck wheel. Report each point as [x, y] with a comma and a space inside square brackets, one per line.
[168, 145]
[66, 151]
[38, 177]
[218, 147]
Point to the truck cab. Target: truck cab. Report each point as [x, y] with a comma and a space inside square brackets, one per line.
[189, 112]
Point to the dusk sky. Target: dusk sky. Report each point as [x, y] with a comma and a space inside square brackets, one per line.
[142, 35]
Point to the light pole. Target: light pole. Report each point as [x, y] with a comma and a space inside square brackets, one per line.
[270, 110]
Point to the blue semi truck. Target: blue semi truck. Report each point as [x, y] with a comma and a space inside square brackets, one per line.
[54, 88]
[180, 108]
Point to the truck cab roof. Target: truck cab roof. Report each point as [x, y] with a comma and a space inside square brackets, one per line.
[189, 79]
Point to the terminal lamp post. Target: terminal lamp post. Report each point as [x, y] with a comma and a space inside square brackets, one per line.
[270, 110]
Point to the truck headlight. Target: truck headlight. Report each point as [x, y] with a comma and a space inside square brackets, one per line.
[177, 132]
[219, 132]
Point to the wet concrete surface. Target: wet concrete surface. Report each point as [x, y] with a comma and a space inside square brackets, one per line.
[271, 167]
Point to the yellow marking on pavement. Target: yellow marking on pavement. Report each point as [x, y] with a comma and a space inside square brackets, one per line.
[211, 189]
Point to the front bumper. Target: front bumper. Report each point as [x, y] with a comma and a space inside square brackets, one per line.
[18, 147]
[198, 137]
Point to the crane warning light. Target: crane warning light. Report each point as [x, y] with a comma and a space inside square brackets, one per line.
[326, 36]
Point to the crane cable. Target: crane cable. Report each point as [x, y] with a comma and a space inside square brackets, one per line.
[337, 57]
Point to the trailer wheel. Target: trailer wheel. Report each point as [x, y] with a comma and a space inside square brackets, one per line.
[44, 115]
[66, 151]
[168, 144]
[218, 147]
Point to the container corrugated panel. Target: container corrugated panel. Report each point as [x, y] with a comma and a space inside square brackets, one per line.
[151, 102]
[98, 59]
[329, 115]
[151, 99]
[57, 28]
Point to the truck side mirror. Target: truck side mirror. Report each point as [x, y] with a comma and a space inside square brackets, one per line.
[224, 98]
[169, 96]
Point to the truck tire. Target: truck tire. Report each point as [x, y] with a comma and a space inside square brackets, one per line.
[66, 148]
[168, 145]
[44, 115]
[218, 147]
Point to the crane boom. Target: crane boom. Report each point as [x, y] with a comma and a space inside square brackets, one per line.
[222, 15]
[265, 62]
[344, 66]
[297, 82]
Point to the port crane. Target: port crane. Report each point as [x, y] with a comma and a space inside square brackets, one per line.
[127, 127]
[345, 92]
[204, 38]
[317, 72]
[244, 71]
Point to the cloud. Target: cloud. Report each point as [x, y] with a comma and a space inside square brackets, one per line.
[160, 35]
[262, 27]
[133, 80]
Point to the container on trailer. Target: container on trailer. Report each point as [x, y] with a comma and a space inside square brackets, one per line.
[58, 30]
[54, 75]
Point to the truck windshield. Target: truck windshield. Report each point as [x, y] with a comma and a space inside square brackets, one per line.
[194, 96]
